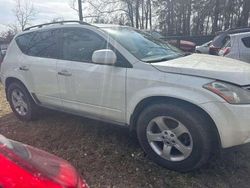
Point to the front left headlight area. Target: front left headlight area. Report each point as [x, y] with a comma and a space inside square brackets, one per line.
[231, 93]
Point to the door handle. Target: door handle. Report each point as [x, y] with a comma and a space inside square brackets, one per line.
[64, 73]
[24, 68]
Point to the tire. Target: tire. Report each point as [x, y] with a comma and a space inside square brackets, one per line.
[21, 102]
[156, 126]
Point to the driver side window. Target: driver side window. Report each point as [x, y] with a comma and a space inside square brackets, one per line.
[79, 44]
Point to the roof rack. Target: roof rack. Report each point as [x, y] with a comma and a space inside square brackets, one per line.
[234, 30]
[60, 22]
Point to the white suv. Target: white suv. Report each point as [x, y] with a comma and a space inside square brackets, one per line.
[237, 46]
[183, 108]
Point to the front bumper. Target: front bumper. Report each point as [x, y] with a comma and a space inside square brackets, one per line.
[232, 121]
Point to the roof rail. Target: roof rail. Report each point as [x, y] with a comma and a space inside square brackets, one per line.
[234, 30]
[243, 27]
[59, 22]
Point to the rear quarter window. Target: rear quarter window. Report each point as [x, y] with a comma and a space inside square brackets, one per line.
[246, 41]
[40, 44]
[24, 41]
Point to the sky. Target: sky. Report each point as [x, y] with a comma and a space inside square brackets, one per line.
[46, 11]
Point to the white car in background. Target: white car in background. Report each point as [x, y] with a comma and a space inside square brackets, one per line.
[204, 48]
[237, 47]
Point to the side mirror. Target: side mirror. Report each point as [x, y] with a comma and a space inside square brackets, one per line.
[105, 56]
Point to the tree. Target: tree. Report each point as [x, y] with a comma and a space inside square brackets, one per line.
[80, 10]
[188, 17]
[104, 11]
[216, 16]
[245, 13]
[137, 13]
[228, 12]
[8, 35]
[171, 17]
[24, 13]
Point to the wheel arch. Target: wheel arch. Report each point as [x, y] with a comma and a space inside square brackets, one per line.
[10, 80]
[163, 99]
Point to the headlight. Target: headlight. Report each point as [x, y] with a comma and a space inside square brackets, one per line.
[231, 93]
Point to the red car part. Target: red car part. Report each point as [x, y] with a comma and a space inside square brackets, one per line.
[214, 50]
[23, 166]
[226, 51]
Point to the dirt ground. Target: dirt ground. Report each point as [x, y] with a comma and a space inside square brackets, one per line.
[107, 156]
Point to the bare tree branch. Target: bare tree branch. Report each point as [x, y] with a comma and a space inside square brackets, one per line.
[24, 13]
[100, 7]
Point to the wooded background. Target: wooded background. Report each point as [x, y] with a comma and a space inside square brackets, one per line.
[171, 17]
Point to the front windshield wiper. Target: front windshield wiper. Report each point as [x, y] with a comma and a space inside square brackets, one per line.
[159, 60]
[165, 58]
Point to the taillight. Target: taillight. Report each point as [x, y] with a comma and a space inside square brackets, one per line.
[213, 50]
[43, 166]
[226, 51]
[53, 167]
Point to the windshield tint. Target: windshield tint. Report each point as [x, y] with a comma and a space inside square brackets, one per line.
[143, 46]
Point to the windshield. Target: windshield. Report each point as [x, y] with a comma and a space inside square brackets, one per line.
[218, 41]
[143, 46]
[206, 44]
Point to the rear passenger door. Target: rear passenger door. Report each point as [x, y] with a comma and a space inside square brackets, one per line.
[39, 65]
[245, 49]
[88, 88]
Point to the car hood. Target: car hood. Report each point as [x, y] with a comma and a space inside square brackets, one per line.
[208, 66]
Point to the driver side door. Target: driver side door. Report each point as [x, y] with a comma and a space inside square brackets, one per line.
[87, 88]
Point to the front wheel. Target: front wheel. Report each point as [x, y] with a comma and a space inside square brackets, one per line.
[175, 137]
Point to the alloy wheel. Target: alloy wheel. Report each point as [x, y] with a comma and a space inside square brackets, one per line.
[169, 138]
[19, 102]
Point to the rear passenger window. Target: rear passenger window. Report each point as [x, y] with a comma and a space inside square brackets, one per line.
[79, 44]
[246, 41]
[40, 44]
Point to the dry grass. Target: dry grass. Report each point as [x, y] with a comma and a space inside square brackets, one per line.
[108, 157]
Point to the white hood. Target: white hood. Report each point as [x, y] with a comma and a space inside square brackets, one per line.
[208, 66]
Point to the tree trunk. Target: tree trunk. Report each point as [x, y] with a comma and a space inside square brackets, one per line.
[130, 13]
[216, 16]
[228, 12]
[243, 22]
[137, 14]
[142, 14]
[207, 25]
[188, 19]
[150, 14]
[146, 15]
[80, 10]
[171, 26]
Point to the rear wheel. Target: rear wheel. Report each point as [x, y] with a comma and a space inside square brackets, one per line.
[21, 102]
[175, 137]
